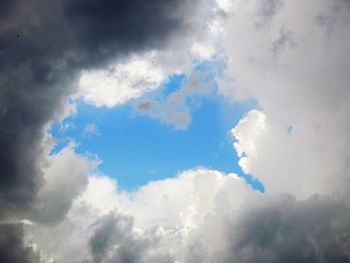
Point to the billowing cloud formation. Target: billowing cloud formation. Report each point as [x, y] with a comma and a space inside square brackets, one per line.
[138, 75]
[290, 56]
[105, 223]
[199, 216]
[125, 81]
[65, 177]
[43, 46]
[115, 241]
[247, 132]
[282, 229]
[12, 247]
[291, 59]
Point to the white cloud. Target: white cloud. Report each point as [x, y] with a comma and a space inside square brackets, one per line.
[126, 80]
[291, 58]
[247, 132]
[174, 208]
[144, 72]
[225, 5]
[199, 216]
[181, 201]
[203, 51]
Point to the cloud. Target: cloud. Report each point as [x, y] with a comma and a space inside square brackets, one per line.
[246, 133]
[266, 10]
[114, 240]
[162, 196]
[202, 51]
[43, 49]
[285, 40]
[280, 228]
[125, 81]
[303, 85]
[12, 247]
[198, 216]
[141, 73]
[175, 109]
[91, 129]
[65, 178]
[280, 53]
[106, 224]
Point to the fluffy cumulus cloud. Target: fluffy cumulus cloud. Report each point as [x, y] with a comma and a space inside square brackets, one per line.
[121, 83]
[44, 48]
[247, 133]
[135, 77]
[199, 216]
[108, 225]
[291, 57]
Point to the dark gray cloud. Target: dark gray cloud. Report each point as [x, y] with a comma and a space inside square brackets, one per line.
[12, 247]
[282, 229]
[115, 241]
[43, 45]
[6, 7]
[122, 25]
[65, 179]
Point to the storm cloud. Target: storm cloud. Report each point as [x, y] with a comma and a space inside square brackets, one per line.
[43, 46]
[283, 229]
[12, 247]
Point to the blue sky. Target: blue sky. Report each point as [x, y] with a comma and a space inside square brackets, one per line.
[136, 149]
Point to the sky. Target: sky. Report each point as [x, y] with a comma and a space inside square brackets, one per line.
[215, 131]
[160, 151]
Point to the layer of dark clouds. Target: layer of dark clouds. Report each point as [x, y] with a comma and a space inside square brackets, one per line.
[282, 229]
[114, 240]
[43, 45]
[267, 229]
[101, 29]
[12, 247]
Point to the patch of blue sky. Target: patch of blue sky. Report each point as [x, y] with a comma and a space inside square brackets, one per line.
[173, 83]
[136, 149]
